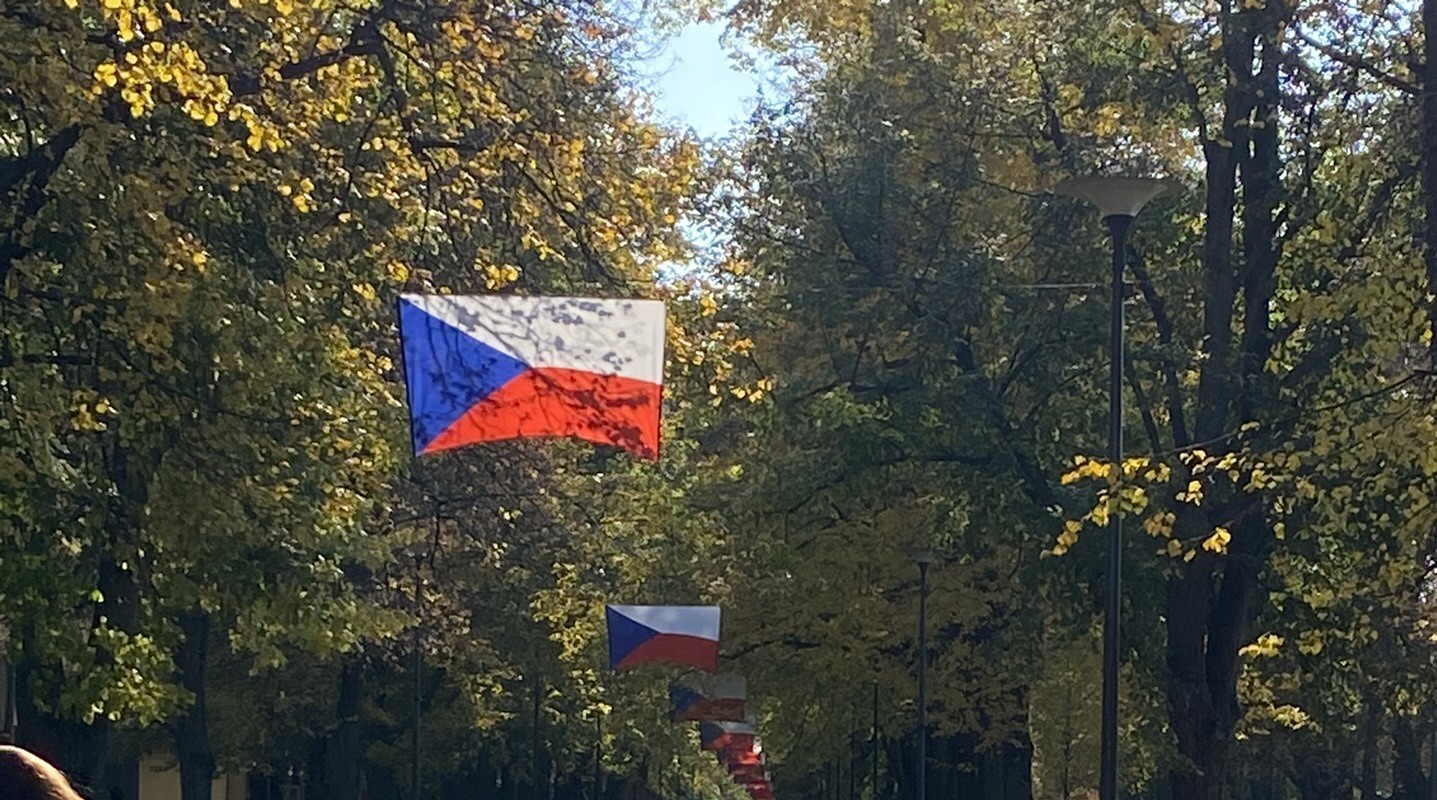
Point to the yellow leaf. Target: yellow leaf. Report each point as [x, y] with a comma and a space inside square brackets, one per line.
[1217, 542]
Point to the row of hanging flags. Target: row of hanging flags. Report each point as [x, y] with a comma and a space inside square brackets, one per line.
[718, 702]
[485, 368]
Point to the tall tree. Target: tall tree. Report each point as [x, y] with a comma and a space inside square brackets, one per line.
[207, 213]
[1283, 324]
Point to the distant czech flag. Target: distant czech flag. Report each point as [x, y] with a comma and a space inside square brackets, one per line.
[749, 773]
[485, 368]
[709, 697]
[687, 635]
[762, 790]
[727, 736]
[740, 757]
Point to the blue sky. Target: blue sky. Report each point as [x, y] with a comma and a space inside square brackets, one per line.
[695, 83]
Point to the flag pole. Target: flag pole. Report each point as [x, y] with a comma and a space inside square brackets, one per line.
[418, 591]
[598, 750]
[534, 758]
[874, 793]
[416, 753]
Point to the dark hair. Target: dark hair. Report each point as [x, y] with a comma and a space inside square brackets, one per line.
[26, 776]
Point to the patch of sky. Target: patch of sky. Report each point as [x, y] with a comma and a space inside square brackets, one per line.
[707, 80]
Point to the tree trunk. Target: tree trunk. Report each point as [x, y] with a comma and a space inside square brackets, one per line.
[1371, 729]
[1407, 749]
[1324, 769]
[343, 761]
[1190, 701]
[192, 739]
[1427, 157]
[1210, 601]
[1017, 761]
[1209, 610]
[76, 748]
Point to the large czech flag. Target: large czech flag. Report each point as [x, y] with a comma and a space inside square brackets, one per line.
[708, 697]
[485, 368]
[687, 635]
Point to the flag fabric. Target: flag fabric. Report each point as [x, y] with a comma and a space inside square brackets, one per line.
[708, 697]
[759, 790]
[762, 790]
[486, 368]
[727, 735]
[740, 757]
[687, 635]
[749, 773]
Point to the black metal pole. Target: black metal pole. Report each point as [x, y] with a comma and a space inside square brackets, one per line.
[416, 752]
[922, 680]
[874, 794]
[598, 750]
[1118, 224]
[852, 767]
[534, 742]
[1432, 771]
[9, 715]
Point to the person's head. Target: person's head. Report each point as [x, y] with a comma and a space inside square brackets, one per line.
[26, 776]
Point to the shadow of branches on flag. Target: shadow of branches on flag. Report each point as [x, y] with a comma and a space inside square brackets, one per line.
[485, 368]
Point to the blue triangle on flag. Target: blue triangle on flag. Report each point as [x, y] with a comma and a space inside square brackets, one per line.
[446, 371]
[681, 699]
[625, 635]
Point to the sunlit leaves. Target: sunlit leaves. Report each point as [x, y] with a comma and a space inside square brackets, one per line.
[256, 181]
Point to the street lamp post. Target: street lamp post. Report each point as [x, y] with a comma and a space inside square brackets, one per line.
[923, 558]
[7, 701]
[416, 752]
[1119, 199]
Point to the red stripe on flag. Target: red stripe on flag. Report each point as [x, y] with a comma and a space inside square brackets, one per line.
[738, 757]
[730, 741]
[548, 401]
[720, 709]
[673, 648]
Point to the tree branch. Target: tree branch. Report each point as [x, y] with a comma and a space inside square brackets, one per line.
[1361, 66]
[1174, 398]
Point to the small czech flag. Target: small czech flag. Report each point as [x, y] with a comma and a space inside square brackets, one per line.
[748, 773]
[740, 757]
[759, 791]
[709, 697]
[727, 736]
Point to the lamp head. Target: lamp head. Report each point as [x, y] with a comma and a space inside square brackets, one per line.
[921, 556]
[1117, 196]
